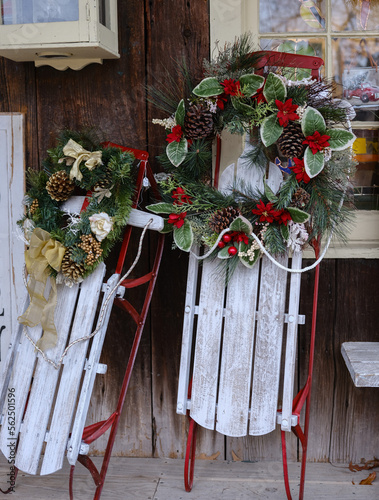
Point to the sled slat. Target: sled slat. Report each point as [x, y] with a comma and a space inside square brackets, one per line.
[43, 388]
[189, 314]
[267, 357]
[291, 343]
[237, 352]
[208, 339]
[72, 372]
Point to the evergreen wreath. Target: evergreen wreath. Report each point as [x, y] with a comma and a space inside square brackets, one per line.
[296, 124]
[80, 166]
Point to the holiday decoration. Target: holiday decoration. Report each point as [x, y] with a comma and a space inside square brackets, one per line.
[296, 123]
[68, 246]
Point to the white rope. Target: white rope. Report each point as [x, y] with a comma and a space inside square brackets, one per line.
[102, 311]
[263, 249]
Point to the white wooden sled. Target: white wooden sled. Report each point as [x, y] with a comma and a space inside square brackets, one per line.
[245, 336]
[43, 409]
[232, 385]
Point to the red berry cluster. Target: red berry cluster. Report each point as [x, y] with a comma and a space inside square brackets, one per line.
[231, 238]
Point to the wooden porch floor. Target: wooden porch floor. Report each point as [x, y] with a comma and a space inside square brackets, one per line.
[162, 479]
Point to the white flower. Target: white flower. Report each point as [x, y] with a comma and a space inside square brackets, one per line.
[167, 123]
[101, 225]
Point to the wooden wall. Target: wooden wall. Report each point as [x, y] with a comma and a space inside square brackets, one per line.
[153, 35]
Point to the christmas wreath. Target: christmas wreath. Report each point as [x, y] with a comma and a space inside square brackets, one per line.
[297, 125]
[78, 166]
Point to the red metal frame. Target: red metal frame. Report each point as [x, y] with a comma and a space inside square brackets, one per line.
[94, 431]
[282, 59]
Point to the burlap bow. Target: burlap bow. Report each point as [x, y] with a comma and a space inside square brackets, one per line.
[76, 155]
[42, 252]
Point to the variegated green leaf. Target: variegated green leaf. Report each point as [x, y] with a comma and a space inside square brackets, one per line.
[312, 120]
[183, 236]
[208, 87]
[313, 163]
[177, 151]
[180, 113]
[340, 138]
[241, 224]
[274, 88]
[161, 208]
[297, 215]
[270, 130]
[250, 84]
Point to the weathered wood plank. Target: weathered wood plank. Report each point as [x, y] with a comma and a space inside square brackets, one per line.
[354, 424]
[268, 348]
[291, 344]
[208, 342]
[42, 392]
[72, 372]
[237, 352]
[362, 361]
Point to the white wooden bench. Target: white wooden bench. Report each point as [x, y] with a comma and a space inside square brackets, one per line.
[362, 361]
[43, 409]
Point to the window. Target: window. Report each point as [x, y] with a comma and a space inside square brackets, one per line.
[345, 34]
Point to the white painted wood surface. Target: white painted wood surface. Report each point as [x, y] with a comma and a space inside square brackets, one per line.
[208, 341]
[291, 344]
[267, 356]
[187, 336]
[90, 375]
[362, 360]
[72, 372]
[12, 291]
[237, 352]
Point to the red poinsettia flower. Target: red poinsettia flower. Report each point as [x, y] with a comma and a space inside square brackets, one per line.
[299, 170]
[317, 142]
[175, 135]
[232, 87]
[181, 197]
[238, 237]
[267, 212]
[286, 112]
[177, 219]
[258, 96]
[283, 216]
[222, 100]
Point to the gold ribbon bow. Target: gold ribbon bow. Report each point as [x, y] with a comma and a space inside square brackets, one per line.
[43, 251]
[77, 154]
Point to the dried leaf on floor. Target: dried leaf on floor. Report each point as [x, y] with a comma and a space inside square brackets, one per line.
[235, 457]
[369, 479]
[370, 464]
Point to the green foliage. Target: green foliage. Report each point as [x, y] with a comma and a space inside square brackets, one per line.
[117, 166]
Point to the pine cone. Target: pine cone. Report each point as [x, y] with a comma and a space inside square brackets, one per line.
[105, 181]
[290, 143]
[33, 207]
[198, 122]
[222, 219]
[59, 186]
[300, 198]
[92, 247]
[71, 269]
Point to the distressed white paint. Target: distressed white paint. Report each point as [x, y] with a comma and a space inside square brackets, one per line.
[89, 379]
[189, 314]
[53, 394]
[12, 291]
[208, 340]
[237, 352]
[291, 343]
[362, 360]
[267, 356]
[70, 382]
